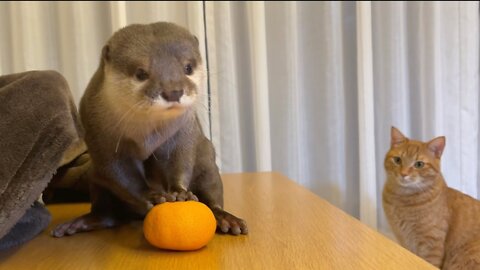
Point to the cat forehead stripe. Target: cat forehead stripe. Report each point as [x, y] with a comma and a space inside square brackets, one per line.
[412, 150]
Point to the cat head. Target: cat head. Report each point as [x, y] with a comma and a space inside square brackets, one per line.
[413, 164]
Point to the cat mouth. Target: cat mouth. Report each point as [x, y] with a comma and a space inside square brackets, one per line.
[406, 181]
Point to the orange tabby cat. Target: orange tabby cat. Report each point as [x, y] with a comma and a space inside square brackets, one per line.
[438, 223]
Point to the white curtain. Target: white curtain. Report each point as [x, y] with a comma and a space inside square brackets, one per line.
[308, 89]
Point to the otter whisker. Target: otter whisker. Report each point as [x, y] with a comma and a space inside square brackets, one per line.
[125, 114]
[130, 113]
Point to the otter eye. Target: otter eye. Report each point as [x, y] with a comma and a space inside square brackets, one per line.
[419, 164]
[188, 69]
[397, 160]
[141, 74]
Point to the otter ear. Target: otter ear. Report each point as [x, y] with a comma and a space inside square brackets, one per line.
[106, 53]
[397, 138]
[196, 40]
[436, 146]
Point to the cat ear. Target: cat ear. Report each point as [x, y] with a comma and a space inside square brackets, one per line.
[436, 146]
[397, 138]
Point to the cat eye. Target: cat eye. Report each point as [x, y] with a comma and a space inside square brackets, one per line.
[397, 160]
[188, 69]
[141, 74]
[419, 164]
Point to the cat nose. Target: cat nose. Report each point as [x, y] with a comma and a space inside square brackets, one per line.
[173, 95]
[404, 172]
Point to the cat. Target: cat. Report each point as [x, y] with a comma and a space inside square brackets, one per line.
[437, 223]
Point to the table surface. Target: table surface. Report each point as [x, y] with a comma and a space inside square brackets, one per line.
[289, 228]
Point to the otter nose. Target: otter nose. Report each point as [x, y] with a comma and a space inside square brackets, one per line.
[173, 95]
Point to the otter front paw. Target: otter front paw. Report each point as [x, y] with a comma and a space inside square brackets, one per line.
[228, 223]
[88, 222]
[177, 196]
[184, 195]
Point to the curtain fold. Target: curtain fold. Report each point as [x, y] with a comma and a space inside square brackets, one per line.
[287, 84]
[366, 115]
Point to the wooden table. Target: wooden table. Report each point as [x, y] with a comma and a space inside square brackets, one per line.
[290, 228]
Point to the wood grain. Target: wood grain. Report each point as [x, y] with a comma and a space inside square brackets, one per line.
[290, 228]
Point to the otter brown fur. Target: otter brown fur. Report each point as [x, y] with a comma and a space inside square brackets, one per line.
[142, 133]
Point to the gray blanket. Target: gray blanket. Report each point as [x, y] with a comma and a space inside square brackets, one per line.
[40, 134]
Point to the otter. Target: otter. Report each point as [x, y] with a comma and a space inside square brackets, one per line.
[142, 133]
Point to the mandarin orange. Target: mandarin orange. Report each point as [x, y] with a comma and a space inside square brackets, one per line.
[186, 225]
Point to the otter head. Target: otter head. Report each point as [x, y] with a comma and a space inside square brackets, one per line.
[154, 68]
